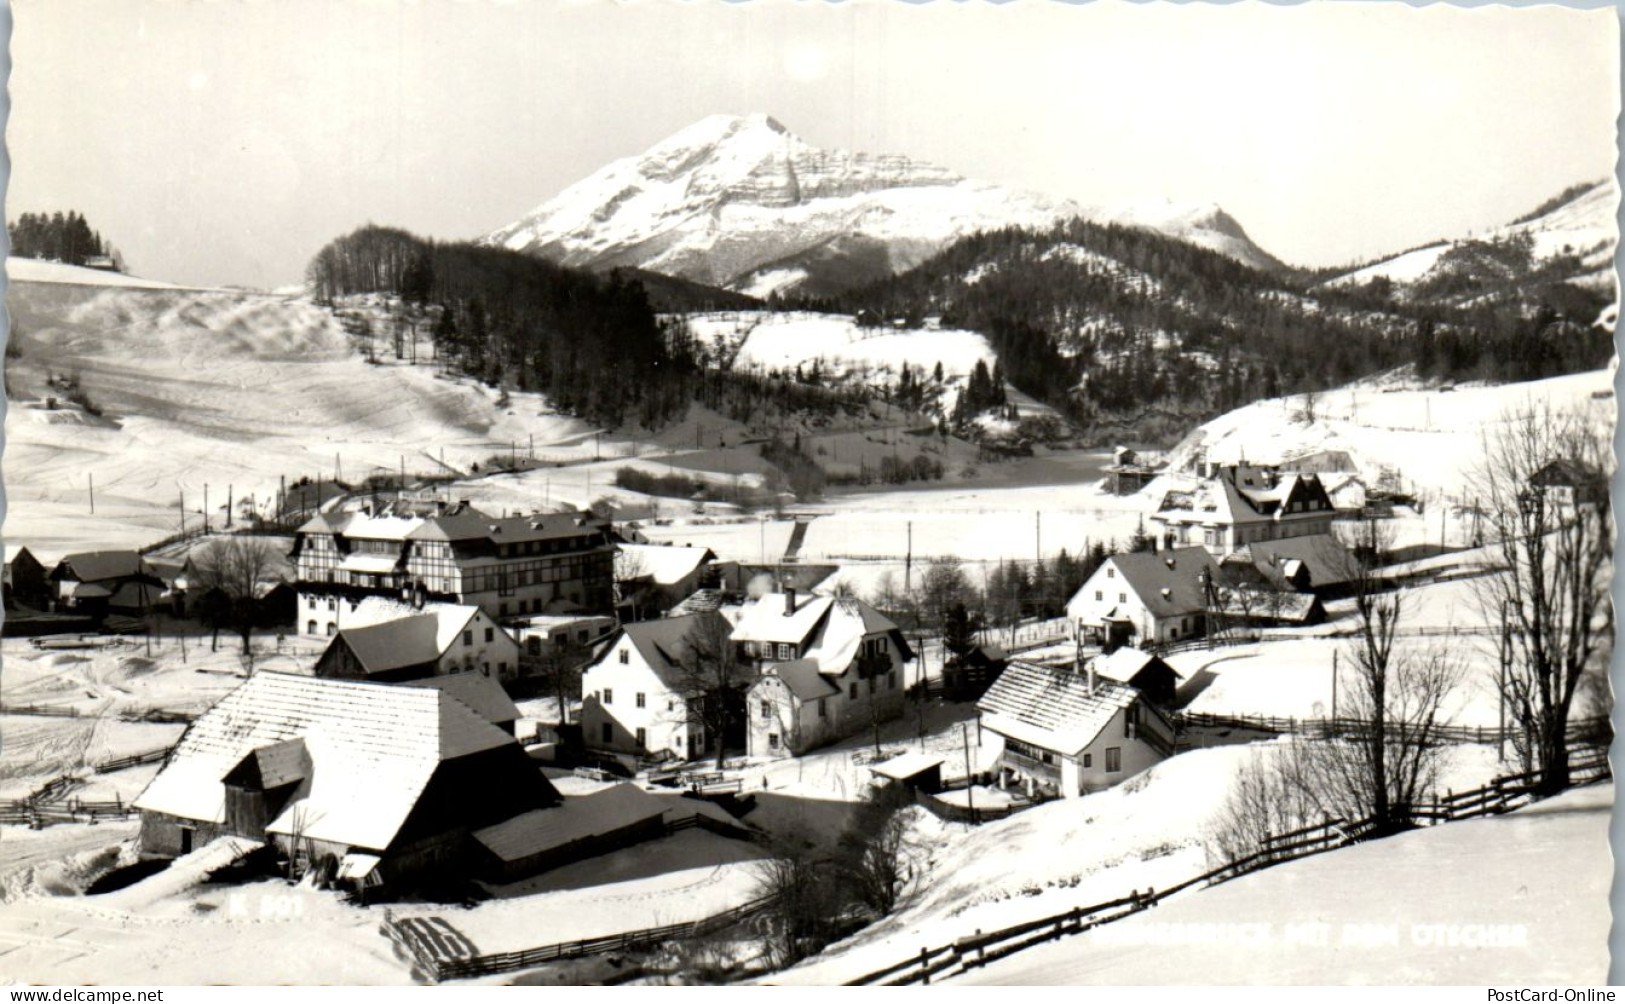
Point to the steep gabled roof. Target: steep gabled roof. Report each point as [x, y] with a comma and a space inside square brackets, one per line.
[1328, 561]
[372, 749]
[396, 644]
[1053, 708]
[662, 643]
[579, 818]
[482, 693]
[1128, 662]
[664, 564]
[803, 678]
[99, 566]
[1169, 583]
[450, 618]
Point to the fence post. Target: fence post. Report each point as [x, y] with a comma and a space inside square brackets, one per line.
[925, 965]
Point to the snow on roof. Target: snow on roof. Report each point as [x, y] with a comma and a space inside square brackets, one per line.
[1168, 583]
[667, 565]
[662, 643]
[482, 693]
[373, 564]
[373, 748]
[1126, 663]
[901, 768]
[450, 618]
[767, 618]
[1055, 709]
[579, 818]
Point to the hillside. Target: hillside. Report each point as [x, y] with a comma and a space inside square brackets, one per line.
[230, 388]
[741, 202]
[1487, 901]
[1570, 240]
[1134, 334]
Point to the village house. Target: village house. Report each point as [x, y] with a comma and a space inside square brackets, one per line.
[1568, 483]
[547, 634]
[386, 640]
[508, 567]
[1156, 681]
[103, 582]
[650, 579]
[967, 677]
[379, 786]
[1239, 505]
[1056, 731]
[1319, 564]
[1145, 598]
[827, 668]
[635, 695]
[25, 581]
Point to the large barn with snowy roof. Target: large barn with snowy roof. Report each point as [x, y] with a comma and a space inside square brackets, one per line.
[375, 782]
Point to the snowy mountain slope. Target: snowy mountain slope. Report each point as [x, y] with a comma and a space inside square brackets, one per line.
[1583, 225]
[1515, 899]
[739, 201]
[1430, 439]
[1205, 226]
[216, 387]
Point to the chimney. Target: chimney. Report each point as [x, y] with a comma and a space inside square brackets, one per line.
[789, 600]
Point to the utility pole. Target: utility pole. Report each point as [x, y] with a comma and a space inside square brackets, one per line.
[229, 488]
[1038, 539]
[205, 507]
[970, 778]
[92, 494]
[1501, 689]
[908, 561]
[183, 512]
[1334, 688]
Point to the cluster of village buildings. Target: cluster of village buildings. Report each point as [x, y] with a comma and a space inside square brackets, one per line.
[396, 754]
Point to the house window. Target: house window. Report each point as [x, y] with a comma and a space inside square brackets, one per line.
[609, 695]
[332, 629]
[639, 701]
[642, 738]
[490, 634]
[1122, 597]
[626, 657]
[311, 628]
[871, 684]
[1088, 760]
[891, 680]
[852, 691]
[767, 709]
[607, 731]
[1114, 759]
[1111, 573]
[332, 604]
[1100, 594]
[502, 669]
[823, 711]
[534, 644]
[468, 638]
[485, 668]
[785, 652]
[772, 740]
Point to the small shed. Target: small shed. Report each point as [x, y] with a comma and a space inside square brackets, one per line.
[917, 771]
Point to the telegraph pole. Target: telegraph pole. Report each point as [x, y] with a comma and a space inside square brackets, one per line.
[92, 494]
[970, 778]
[1334, 689]
[908, 560]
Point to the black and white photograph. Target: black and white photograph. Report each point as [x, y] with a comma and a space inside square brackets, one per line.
[684, 492]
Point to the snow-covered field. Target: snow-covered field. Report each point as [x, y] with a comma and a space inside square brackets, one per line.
[1512, 900]
[36, 270]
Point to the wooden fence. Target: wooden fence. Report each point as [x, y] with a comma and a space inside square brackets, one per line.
[1325, 728]
[1499, 796]
[434, 963]
[133, 760]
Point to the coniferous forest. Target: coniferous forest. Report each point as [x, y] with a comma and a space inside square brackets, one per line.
[64, 237]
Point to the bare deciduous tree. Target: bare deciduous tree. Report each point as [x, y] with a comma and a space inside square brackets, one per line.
[238, 568]
[713, 680]
[1542, 484]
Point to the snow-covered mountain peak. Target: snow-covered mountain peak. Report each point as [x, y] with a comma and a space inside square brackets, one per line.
[740, 201]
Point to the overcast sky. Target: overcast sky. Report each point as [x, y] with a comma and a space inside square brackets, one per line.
[225, 142]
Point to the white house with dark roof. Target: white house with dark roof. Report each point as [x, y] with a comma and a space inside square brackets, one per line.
[651, 579]
[635, 694]
[386, 640]
[1057, 731]
[380, 783]
[1241, 504]
[1145, 598]
[828, 668]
